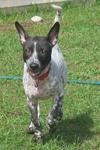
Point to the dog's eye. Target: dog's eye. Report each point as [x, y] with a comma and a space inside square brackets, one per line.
[28, 51]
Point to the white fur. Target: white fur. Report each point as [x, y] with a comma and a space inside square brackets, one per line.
[32, 126]
[33, 58]
[51, 86]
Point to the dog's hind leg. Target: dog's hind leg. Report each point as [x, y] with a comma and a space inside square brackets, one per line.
[56, 113]
[34, 127]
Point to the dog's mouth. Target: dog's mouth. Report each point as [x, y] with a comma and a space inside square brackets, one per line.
[34, 68]
[34, 72]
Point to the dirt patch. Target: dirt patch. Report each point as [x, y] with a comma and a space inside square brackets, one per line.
[11, 27]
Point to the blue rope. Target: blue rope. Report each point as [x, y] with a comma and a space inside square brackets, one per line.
[91, 82]
[10, 78]
[84, 82]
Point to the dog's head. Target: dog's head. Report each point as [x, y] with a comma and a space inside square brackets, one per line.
[37, 49]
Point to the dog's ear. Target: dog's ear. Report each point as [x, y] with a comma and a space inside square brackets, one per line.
[22, 33]
[53, 34]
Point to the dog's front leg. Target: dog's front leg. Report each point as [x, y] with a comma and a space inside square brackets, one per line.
[34, 127]
[56, 113]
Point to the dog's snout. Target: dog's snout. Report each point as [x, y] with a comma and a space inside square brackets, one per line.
[34, 66]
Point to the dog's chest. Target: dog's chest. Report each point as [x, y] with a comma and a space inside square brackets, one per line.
[40, 89]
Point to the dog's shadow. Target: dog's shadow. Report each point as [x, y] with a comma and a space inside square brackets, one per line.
[74, 130]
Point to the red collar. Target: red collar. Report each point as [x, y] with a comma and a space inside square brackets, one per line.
[43, 75]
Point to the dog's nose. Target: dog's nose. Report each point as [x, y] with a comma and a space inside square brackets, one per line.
[34, 66]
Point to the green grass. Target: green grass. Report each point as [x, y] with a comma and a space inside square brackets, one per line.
[80, 42]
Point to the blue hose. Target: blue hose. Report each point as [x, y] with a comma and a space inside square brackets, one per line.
[10, 78]
[84, 82]
[91, 82]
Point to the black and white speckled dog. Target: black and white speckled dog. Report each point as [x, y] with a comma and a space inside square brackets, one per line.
[44, 74]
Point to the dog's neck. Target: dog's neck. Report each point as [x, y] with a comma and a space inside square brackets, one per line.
[44, 74]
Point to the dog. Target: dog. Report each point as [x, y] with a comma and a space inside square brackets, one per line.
[44, 74]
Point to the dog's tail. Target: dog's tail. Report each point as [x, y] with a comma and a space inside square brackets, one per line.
[58, 13]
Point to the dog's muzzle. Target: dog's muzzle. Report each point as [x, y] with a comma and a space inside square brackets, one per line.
[34, 68]
[35, 72]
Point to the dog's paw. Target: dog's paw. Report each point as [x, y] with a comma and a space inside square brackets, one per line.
[38, 137]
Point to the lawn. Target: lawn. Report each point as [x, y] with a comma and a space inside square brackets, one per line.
[80, 42]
